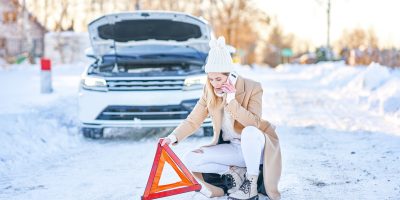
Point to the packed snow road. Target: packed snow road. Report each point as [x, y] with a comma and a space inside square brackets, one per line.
[332, 147]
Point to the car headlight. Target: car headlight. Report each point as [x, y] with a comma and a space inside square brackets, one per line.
[94, 83]
[195, 82]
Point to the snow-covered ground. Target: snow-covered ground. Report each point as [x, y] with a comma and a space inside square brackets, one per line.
[339, 129]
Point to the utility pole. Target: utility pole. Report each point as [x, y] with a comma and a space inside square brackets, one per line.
[328, 34]
[137, 5]
[328, 51]
[328, 11]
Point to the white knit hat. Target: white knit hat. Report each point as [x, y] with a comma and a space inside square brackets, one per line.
[219, 59]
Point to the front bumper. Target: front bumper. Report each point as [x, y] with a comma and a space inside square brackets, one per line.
[135, 109]
[139, 124]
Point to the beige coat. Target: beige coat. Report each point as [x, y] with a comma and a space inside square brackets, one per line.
[246, 110]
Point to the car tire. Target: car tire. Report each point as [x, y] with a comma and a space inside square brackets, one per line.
[92, 133]
[208, 131]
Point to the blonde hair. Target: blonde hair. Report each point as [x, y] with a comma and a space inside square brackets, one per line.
[213, 101]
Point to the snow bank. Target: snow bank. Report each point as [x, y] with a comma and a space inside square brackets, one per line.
[35, 125]
[371, 78]
[376, 87]
[32, 136]
[340, 77]
[386, 99]
[310, 71]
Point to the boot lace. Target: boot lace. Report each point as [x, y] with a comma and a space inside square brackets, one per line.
[245, 187]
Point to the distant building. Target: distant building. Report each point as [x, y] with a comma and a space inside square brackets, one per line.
[20, 32]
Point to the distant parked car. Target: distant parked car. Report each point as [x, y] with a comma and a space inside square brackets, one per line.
[148, 71]
[309, 58]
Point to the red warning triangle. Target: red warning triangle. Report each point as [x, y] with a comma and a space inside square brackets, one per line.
[187, 184]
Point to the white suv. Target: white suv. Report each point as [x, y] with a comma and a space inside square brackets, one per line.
[148, 71]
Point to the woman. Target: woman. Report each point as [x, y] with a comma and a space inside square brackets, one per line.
[235, 108]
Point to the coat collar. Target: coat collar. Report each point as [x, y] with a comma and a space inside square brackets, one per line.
[239, 90]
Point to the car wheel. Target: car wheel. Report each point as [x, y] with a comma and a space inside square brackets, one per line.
[208, 131]
[93, 133]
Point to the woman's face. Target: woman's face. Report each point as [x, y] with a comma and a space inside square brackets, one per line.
[217, 79]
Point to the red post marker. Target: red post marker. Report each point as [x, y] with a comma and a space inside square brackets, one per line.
[187, 184]
[45, 64]
[45, 76]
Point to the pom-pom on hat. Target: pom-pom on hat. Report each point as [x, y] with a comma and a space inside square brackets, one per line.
[219, 59]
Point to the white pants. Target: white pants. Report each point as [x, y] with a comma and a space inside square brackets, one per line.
[218, 158]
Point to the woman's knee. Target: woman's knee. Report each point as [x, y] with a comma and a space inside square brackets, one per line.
[252, 134]
[191, 160]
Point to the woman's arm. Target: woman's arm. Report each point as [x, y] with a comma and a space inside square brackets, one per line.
[193, 120]
[252, 115]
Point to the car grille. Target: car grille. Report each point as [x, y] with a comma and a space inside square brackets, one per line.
[143, 112]
[145, 84]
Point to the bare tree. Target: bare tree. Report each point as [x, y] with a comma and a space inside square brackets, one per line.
[238, 20]
[356, 38]
[277, 40]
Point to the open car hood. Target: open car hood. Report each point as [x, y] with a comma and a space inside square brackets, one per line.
[110, 32]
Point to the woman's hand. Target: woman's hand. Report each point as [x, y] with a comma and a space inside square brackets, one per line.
[230, 91]
[228, 87]
[166, 141]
